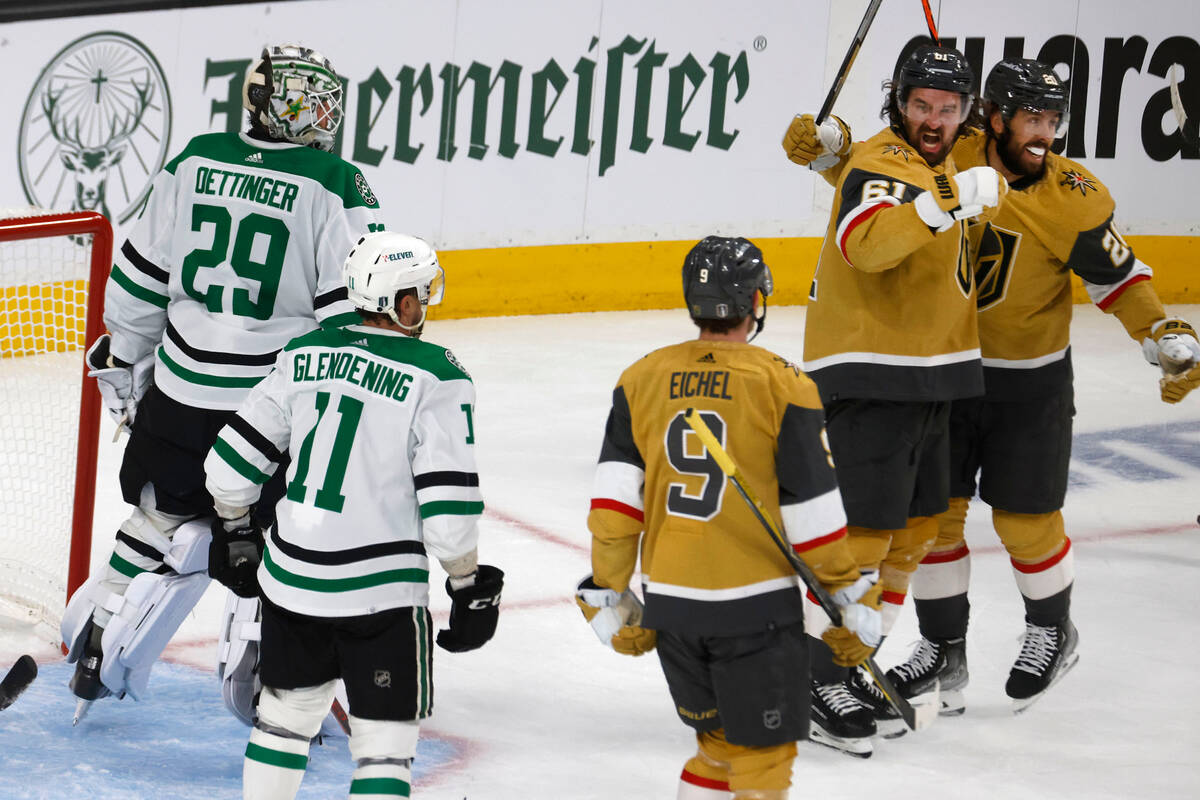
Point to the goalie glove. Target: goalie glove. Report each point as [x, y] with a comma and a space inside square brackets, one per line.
[615, 618]
[818, 147]
[862, 624]
[962, 196]
[121, 384]
[474, 609]
[234, 555]
[1172, 346]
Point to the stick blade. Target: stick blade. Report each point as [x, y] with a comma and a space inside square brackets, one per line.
[17, 680]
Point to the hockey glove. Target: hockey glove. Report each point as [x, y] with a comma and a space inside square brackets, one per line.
[121, 384]
[959, 197]
[1172, 346]
[234, 555]
[862, 625]
[474, 611]
[1176, 387]
[615, 618]
[818, 147]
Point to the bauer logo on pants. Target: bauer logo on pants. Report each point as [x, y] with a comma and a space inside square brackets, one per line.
[95, 128]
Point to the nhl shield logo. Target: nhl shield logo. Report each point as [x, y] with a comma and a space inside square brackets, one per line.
[95, 127]
[383, 679]
[772, 719]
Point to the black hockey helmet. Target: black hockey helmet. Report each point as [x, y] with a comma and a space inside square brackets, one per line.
[933, 67]
[1017, 83]
[720, 277]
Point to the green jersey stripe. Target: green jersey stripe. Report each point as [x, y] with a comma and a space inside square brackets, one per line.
[275, 758]
[341, 320]
[329, 585]
[392, 786]
[191, 376]
[137, 290]
[457, 507]
[234, 459]
[124, 567]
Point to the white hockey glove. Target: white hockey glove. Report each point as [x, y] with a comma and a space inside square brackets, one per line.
[121, 385]
[615, 618]
[1172, 346]
[818, 147]
[959, 197]
[862, 624]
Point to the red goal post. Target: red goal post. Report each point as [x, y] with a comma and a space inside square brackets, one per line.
[53, 268]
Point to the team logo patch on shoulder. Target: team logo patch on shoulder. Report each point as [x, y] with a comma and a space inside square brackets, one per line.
[783, 362]
[364, 190]
[1076, 180]
[451, 358]
[897, 150]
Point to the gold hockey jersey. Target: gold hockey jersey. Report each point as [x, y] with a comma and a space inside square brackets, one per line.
[891, 312]
[708, 566]
[1045, 229]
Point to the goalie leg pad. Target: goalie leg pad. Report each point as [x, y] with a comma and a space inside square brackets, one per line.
[189, 547]
[89, 598]
[237, 655]
[155, 605]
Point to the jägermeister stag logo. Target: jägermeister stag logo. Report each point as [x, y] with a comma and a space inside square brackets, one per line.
[95, 128]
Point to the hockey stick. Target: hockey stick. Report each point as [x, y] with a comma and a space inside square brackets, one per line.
[1180, 113]
[929, 23]
[915, 717]
[17, 680]
[848, 61]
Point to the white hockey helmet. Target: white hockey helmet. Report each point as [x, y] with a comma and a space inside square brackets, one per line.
[384, 263]
[294, 93]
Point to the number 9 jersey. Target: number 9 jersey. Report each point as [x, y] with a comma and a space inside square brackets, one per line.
[238, 250]
[708, 566]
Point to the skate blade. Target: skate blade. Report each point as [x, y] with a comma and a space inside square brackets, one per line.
[953, 703]
[81, 709]
[859, 748]
[890, 728]
[1022, 705]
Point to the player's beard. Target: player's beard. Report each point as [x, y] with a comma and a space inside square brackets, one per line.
[1016, 160]
[946, 137]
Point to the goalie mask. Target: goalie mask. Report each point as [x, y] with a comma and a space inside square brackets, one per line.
[382, 264]
[721, 275]
[294, 95]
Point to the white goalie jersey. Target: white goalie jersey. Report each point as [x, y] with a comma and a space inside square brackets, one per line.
[238, 250]
[379, 430]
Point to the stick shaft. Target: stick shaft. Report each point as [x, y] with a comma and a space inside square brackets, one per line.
[848, 60]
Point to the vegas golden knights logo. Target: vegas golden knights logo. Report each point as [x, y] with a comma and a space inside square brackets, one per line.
[95, 128]
[993, 267]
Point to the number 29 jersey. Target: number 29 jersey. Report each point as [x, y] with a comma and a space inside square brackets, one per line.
[708, 565]
[238, 250]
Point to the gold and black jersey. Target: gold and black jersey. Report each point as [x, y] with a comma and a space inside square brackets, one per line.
[1046, 229]
[891, 312]
[708, 566]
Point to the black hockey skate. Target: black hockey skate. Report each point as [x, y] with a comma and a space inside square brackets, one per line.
[85, 683]
[1047, 654]
[839, 720]
[935, 664]
[888, 722]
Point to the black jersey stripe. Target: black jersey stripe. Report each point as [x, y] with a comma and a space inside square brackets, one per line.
[330, 297]
[142, 264]
[448, 478]
[256, 440]
[350, 556]
[214, 357]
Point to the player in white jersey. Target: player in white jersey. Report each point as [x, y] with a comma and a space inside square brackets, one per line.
[238, 250]
[379, 428]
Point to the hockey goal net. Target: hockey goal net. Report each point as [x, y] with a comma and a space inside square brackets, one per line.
[53, 267]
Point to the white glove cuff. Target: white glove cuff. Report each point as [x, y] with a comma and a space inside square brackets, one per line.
[932, 214]
[866, 622]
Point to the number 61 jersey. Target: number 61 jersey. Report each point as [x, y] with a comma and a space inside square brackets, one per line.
[379, 429]
[708, 565]
[238, 250]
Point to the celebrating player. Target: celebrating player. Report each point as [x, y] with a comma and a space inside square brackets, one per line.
[1058, 219]
[722, 603]
[238, 250]
[891, 338]
[382, 475]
